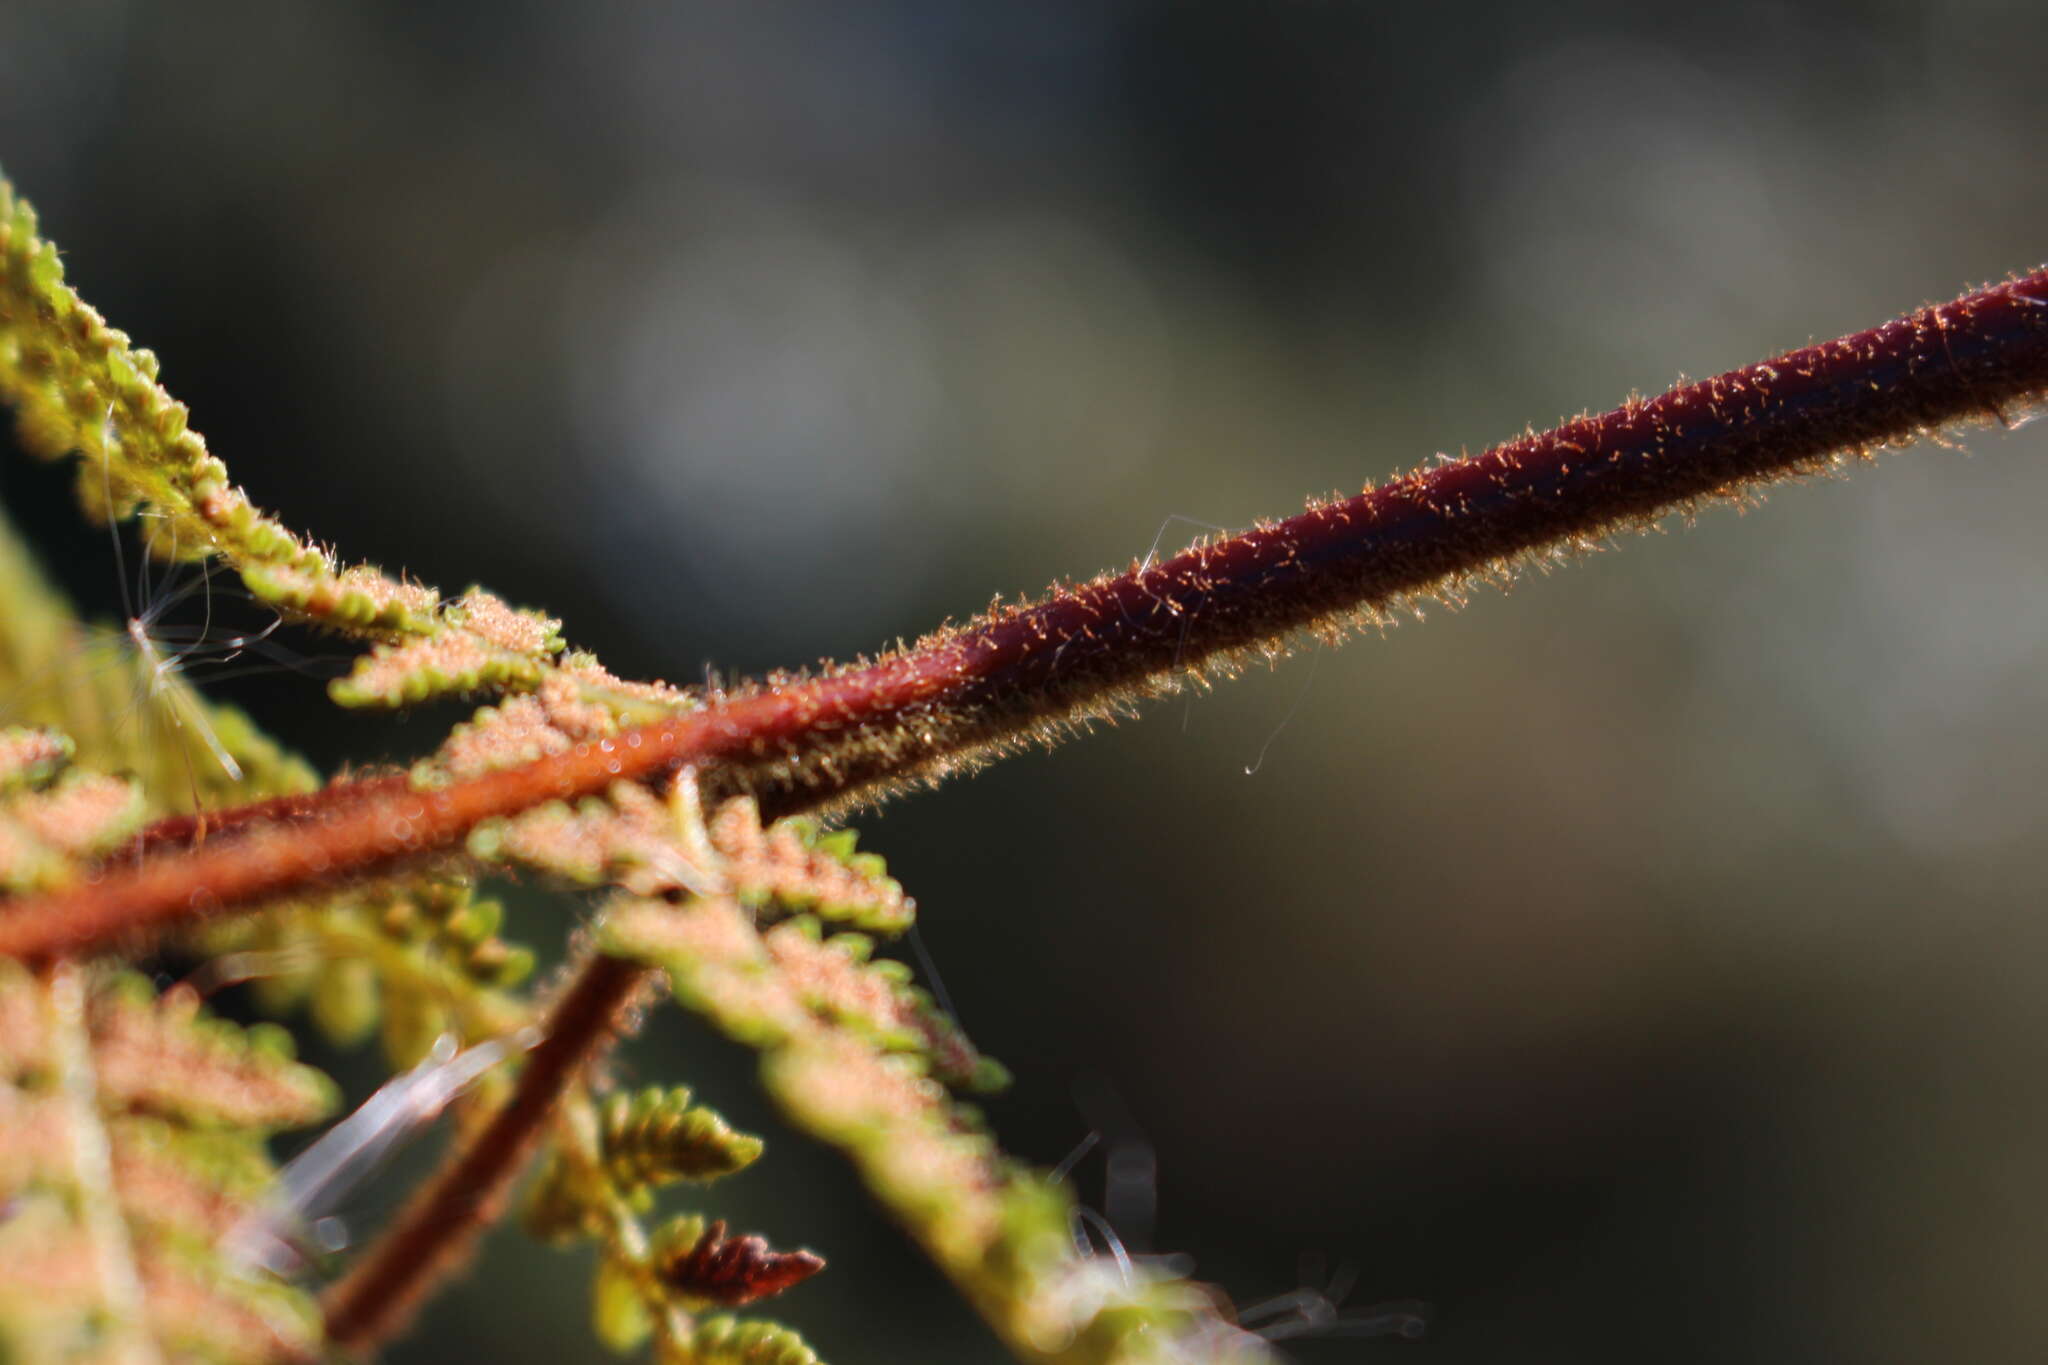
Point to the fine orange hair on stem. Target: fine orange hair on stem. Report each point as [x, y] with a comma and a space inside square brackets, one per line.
[1032, 671]
[1027, 670]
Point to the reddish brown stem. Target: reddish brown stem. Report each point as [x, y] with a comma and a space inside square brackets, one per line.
[186, 831]
[435, 1232]
[1084, 650]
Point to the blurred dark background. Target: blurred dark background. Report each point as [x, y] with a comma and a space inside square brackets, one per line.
[1644, 965]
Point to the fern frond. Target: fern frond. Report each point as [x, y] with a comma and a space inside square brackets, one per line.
[835, 977]
[794, 867]
[80, 386]
[1000, 1231]
[478, 644]
[605, 1161]
[48, 827]
[431, 945]
[854, 1055]
[130, 1144]
[31, 757]
[573, 701]
[164, 1055]
[658, 1136]
[89, 683]
[734, 1341]
[626, 1148]
[628, 837]
[700, 1263]
[689, 1263]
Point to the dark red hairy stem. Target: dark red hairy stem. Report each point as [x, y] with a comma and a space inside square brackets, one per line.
[1082, 650]
[433, 1234]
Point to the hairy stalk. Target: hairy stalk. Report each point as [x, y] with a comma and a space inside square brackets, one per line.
[436, 1230]
[1033, 671]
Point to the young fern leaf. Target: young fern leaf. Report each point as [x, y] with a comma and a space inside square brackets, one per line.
[72, 379]
[479, 644]
[699, 1262]
[428, 948]
[81, 387]
[131, 1131]
[655, 1284]
[794, 866]
[30, 758]
[604, 1163]
[658, 1136]
[430, 945]
[860, 1059]
[687, 1266]
[734, 1341]
[93, 685]
[53, 816]
[643, 1142]
[1000, 1231]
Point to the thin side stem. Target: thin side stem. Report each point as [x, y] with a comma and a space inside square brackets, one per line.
[437, 1229]
[1033, 670]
